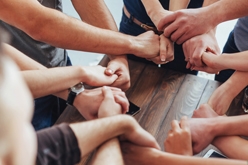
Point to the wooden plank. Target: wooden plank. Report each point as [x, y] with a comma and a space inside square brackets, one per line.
[70, 115]
[184, 104]
[165, 93]
[143, 91]
[135, 68]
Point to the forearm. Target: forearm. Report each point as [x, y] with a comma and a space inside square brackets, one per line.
[234, 11]
[54, 80]
[229, 126]
[178, 160]
[108, 153]
[232, 146]
[154, 10]
[58, 29]
[23, 61]
[96, 14]
[178, 4]
[235, 61]
[208, 2]
[99, 131]
[186, 160]
[38, 85]
[235, 84]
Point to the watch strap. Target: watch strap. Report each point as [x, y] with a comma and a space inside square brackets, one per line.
[71, 97]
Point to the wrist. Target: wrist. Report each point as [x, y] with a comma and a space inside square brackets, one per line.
[209, 13]
[128, 124]
[157, 15]
[83, 74]
[217, 15]
[231, 88]
[216, 127]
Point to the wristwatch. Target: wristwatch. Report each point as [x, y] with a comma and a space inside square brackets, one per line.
[74, 91]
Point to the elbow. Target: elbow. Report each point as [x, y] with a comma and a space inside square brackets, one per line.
[35, 30]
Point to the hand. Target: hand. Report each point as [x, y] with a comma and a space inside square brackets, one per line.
[119, 67]
[133, 154]
[166, 51]
[147, 45]
[179, 139]
[138, 136]
[194, 48]
[95, 76]
[182, 25]
[89, 101]
[109, 107]
[210, 63]
[201, 128]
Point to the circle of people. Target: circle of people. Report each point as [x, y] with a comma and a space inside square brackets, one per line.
[36, 73]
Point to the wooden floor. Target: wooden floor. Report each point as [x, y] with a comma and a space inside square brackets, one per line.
[163, 95]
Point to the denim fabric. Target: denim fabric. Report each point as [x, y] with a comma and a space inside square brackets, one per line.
[230, 47]
[48, 109]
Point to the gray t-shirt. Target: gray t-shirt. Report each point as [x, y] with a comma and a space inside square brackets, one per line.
[241, 34]
[43, 53]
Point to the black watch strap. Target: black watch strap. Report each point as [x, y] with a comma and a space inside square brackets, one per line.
[71, 98]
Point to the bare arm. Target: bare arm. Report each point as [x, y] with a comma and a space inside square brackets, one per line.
[235, 61]
[234, 11]
[108, 128]
[178, 160]
[233, 147]
[178, 4]
[53, 27]
[142, 155]
[42, 81]
[109, 152]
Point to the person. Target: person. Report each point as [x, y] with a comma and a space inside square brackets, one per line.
[61, 144]
[147, 14]
[222, 97]
[185, 24]
[223, 132]
[178, 146]
[46, 37]
[42, 81]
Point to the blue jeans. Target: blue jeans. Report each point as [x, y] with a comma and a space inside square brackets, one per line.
[48, 109]
[127, 26]
[230, 47]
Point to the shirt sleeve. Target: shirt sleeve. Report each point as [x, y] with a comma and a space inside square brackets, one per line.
[57, 145]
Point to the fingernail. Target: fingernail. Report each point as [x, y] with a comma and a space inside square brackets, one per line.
[110, 71]
[163, 59]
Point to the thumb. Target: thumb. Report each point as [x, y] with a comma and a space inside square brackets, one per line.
[111, 69]
[107, 93]
[207, 56]
[163, 49]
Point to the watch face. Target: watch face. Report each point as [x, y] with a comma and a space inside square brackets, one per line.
[78, 88]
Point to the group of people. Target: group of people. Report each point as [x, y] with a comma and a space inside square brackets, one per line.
[35, 65]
